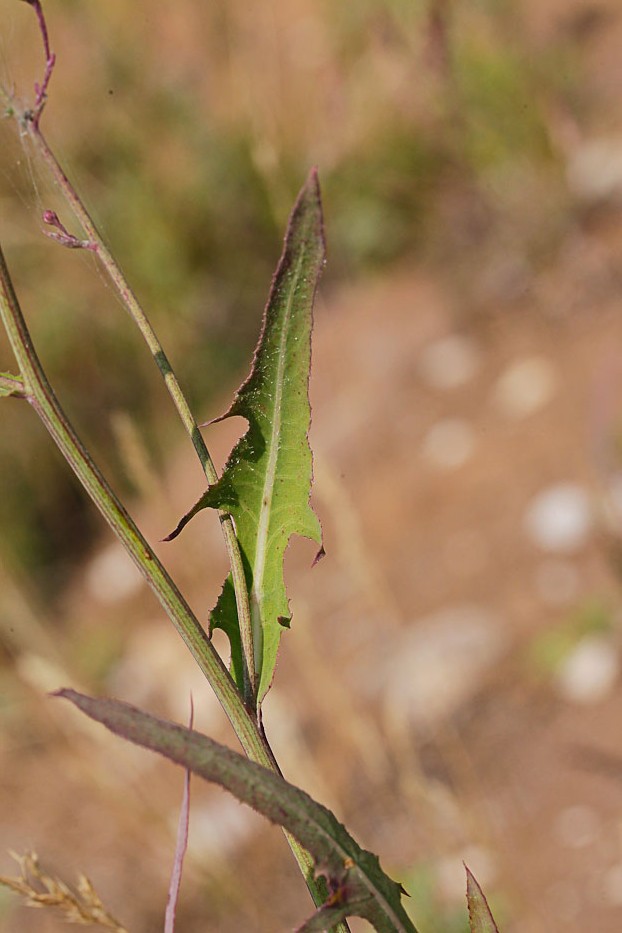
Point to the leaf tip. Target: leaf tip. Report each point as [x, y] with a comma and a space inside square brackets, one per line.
[314, 176]
[197, 507]
[62, 692]
[481, 919]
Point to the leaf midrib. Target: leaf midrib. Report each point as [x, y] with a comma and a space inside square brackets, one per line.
[263, 525]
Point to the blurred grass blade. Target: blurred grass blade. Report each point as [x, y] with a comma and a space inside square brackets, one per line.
[181, 845]
[354, 877]
[266, 482]
[481, 919]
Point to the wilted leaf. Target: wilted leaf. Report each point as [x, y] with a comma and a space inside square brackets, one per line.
[354, 877]
[266, 482]
[481, 919]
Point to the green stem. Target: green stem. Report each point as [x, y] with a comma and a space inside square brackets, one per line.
[39, 393]
[97, 245]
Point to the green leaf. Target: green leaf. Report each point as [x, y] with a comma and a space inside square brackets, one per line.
[266, 482]
[354, 877]
[481, 919]
[11, 385]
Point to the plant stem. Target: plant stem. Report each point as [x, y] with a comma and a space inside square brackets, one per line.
[30, 120]
[241, 711]
[50, 60]
[39, 393]
[97, 245]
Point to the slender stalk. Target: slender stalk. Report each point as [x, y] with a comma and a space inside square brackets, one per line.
[96, 244]
[241, 711]
[50, 60]
[39, 393]
[30, 121]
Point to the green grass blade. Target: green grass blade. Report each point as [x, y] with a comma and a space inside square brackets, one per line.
[266, 482]
[354, 877]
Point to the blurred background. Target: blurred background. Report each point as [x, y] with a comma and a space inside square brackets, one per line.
[451, 682]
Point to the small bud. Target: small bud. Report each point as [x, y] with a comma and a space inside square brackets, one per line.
[63, 236]
[51, 217]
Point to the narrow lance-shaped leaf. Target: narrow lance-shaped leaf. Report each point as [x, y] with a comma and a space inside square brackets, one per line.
[356, 883]
[481, 919]
[266, 482]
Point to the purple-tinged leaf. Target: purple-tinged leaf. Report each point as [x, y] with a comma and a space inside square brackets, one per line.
[481, 919]
[353, 876]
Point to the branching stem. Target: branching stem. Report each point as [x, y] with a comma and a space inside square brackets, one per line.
[50, 61]
[30, 121]
[38, 392]
[34, 386]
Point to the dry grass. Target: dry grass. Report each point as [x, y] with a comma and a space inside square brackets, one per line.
[39, 889]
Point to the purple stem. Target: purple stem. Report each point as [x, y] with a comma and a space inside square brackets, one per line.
[50, 61]
[63, 236]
